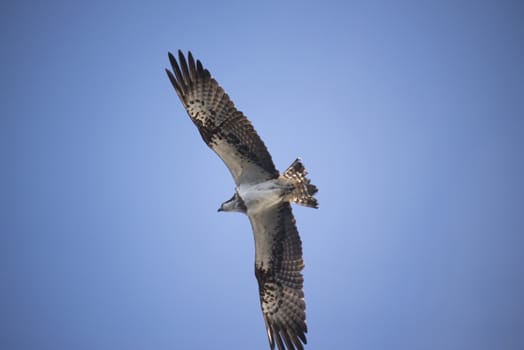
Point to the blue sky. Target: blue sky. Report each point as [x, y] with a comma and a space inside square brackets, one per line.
[408, 115]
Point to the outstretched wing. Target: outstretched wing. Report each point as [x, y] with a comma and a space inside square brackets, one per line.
[222, 127]
[278, 262]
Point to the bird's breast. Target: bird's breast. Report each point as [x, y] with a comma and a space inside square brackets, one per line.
[260, 196]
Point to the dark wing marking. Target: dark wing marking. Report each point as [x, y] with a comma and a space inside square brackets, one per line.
[222, 127]
[278, 265]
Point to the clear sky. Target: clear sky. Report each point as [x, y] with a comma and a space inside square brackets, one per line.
[409, 116]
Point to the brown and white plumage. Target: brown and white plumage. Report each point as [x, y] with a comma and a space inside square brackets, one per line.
[222, 127]
[278, 262]
[261, 193]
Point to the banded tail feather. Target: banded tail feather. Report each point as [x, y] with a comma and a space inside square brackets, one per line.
[303, 189]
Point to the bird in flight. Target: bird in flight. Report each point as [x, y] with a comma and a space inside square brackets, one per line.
[261, 192]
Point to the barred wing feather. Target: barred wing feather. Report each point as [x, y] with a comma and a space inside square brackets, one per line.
[223, 128]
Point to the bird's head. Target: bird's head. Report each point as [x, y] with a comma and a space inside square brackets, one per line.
[234, 204]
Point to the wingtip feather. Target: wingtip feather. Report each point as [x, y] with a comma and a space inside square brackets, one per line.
[185, 70]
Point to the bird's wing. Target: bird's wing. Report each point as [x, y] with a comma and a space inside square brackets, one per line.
[223, 128]
[278, 265]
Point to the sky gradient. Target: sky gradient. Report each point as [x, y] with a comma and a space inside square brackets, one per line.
[409, 117]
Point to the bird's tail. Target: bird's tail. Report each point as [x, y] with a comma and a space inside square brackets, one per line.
[302, 189]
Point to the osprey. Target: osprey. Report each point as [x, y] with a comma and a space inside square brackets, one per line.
[261, 192]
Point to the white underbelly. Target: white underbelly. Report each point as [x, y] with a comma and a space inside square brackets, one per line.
[260, 196]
